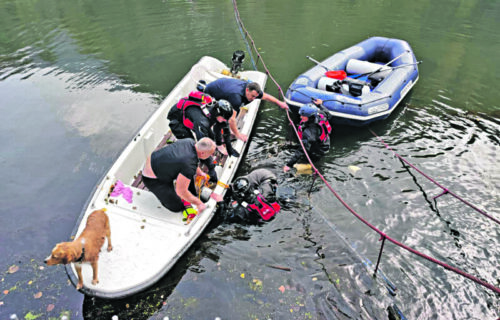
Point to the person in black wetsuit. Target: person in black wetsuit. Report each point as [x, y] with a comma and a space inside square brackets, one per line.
[201, 115]
[314, 132]
[177, 162]
[215, 126]
[239, 93]
[252, 198]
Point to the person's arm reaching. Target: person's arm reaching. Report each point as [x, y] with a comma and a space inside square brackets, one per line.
[181, 188]
[270, 98]
[234, 128]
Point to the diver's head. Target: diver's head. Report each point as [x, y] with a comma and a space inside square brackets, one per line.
[241, 189]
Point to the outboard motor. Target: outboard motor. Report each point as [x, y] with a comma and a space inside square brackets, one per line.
[238, 57]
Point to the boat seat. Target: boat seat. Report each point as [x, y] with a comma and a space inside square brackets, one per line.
[149, 206]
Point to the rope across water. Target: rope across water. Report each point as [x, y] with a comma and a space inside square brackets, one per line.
[383, 236]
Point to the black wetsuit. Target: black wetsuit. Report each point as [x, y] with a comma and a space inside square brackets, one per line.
[311, 132]
[203, 126]
[232, 90]
[262, 180]
[210, 127]
[167, 163]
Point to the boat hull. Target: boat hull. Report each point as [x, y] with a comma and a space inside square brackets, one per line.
[147, 238]
[375, 105]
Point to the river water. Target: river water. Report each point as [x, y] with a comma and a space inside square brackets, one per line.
[78, 79]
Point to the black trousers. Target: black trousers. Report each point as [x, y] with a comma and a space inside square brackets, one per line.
[203, 128]
[165, 192]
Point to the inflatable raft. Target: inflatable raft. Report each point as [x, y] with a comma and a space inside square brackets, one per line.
[360, 84]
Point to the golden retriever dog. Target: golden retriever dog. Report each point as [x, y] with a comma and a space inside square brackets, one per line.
[85, 248]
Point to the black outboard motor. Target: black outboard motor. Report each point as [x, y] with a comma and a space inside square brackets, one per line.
[238, 57]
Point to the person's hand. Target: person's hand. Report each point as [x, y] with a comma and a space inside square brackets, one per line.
[283, 105]
[242, 137]
[201, 207]
[286, 168]
[203, 175]
[217, 197]
[222, 149]
[318, 102]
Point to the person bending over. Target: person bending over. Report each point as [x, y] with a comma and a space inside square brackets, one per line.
[239, 93]
[178, 162]
[253, 197]
[202, 116]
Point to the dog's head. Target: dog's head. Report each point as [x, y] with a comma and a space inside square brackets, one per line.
[63, 253]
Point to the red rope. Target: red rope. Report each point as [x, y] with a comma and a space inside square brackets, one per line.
[382, 234]
[445, 190]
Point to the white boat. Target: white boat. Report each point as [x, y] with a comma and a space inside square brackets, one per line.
[147, 238]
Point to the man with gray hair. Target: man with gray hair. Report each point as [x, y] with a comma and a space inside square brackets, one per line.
[178, 162]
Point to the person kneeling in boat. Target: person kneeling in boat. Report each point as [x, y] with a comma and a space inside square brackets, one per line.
[178, 162]
[314, 132]
[239, 93]
[253, 197]
[202, 116]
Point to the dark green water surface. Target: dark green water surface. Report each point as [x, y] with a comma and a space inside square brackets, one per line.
[79, 78]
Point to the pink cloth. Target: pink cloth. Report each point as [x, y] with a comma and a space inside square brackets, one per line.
[120, 188]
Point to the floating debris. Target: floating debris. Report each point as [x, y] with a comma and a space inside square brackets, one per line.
[13, 269]
[353, 168]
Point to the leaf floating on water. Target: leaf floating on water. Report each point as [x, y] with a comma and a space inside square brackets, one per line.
[31, 316]
[38, 295]
[13, 269]
[256, 285]
[282, 289]
[50, 307]
[242, 276]
[30, 282]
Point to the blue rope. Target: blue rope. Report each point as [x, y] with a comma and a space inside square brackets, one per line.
[249, 50]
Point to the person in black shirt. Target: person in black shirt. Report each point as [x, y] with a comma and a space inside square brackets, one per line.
[177, 162]
[239, 93]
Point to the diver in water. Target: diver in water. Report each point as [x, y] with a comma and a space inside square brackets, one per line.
[314, 132]
[253, 197]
